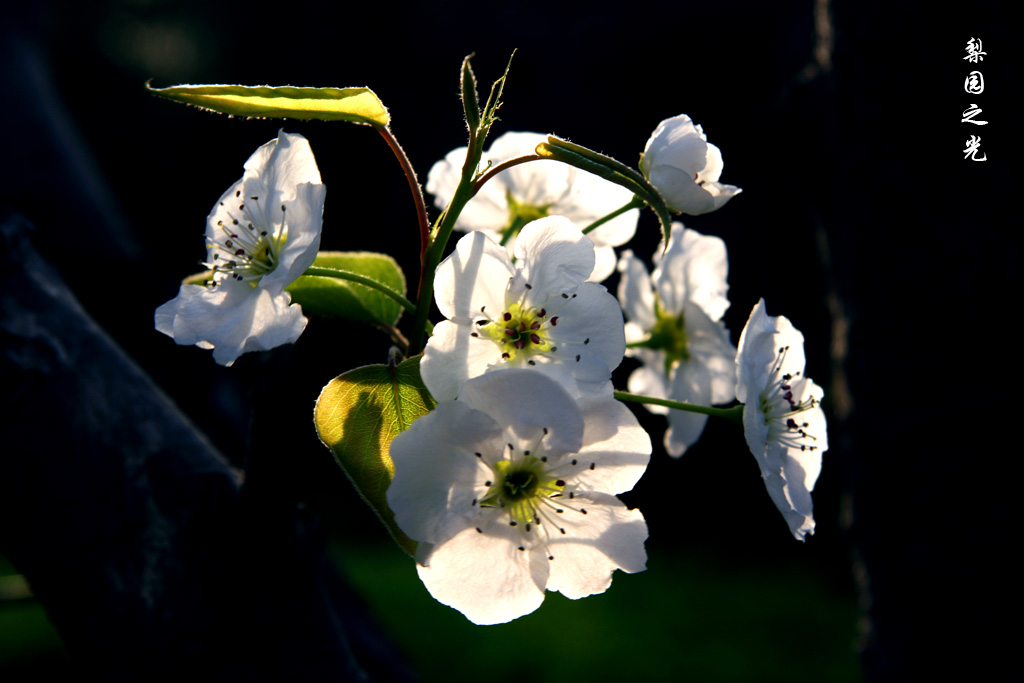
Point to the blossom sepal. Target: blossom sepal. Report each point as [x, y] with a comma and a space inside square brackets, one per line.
[358, 105]
[611, 170]
[345, 298]
[358, 414]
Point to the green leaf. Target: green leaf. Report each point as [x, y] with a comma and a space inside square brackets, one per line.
[359, 105]
[348, 299]
[358, 414]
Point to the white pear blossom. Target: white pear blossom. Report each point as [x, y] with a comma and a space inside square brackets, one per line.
[782, 417]
[538, 313]
[674, 328]
[262, 234]
[533, 190]
[510, 491]
[684, 167]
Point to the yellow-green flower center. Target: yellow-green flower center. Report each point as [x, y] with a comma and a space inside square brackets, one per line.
[520, 330]
[245, 249]
[519, 487]
[519, 215]
[668, 335]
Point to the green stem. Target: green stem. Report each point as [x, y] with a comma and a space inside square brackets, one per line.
[414, 185]
[362, 280]
[505, 165]
[634, 203]
[735, 413]
[435, 250]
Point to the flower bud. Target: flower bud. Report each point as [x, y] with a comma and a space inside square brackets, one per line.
[684, 168]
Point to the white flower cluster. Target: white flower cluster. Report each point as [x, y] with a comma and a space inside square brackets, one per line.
[510, 485]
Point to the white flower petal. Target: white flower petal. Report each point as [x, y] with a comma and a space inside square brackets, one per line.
[650, 380]
[691, 383]
[608, 537]
[487, 211]
[760, 341]
[473, 277]
[453, 356]
[232, 319]
[304, 218]
[594, 198]
[615, 443]
[531, 402]
[604, 263]
[591, 325]
[694, 268]
[284, 163]
[556, 256]
[485, 577]
[437, 473]
[711, 347]
[680, 191]
[679, 143]
[636, 291]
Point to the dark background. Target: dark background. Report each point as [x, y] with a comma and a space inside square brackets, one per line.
[860, 220]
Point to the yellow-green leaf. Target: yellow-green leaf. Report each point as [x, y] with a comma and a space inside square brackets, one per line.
[358, 414]
[348, 299]
[359, 105]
